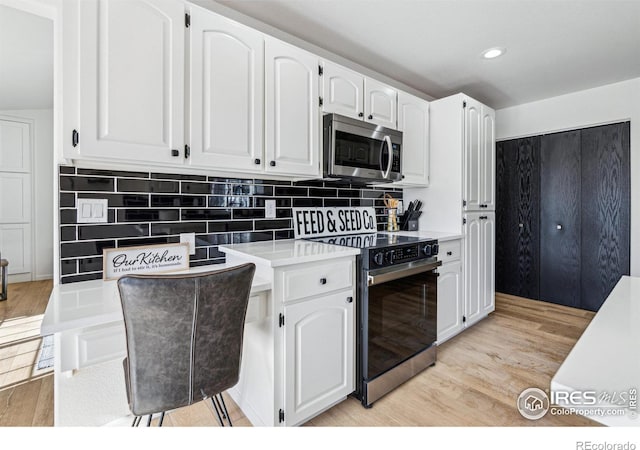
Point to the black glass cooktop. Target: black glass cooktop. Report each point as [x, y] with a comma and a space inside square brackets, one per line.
[374, 240]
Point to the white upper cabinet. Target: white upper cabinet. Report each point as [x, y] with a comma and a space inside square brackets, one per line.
[353, 95]
[131, 59]
[342, 91]
[413, 121]
[227, 93]
[292, 123]
[380, 103]
[479, 156]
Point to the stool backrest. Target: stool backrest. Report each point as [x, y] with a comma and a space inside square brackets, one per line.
[184, 335]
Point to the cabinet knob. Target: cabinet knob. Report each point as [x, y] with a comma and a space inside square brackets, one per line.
[257, 161]
[272, 163]
[521, 225]
[175, 152]
[360, 114]
[370, 116]
[323, 281]
[449, 253]
[483, 217]
[349, 299]
[559, 227]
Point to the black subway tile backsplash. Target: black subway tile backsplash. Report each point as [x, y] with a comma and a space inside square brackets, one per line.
[235, 225]
[148, 215]
[178, 227]
[73, 249]
[112, 231]
[151, 186]
[86, 184]
[206, 214]
[155, 208]
[89, 265]
[120, 200]
[67, 200]
[186, 201]
[68, 234]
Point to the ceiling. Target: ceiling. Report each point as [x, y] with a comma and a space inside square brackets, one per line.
[26, 60]
[553, 46]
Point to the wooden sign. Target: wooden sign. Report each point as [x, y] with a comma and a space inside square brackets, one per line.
[117, 262]
[318, 222]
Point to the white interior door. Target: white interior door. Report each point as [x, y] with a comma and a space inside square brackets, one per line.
[15, 196]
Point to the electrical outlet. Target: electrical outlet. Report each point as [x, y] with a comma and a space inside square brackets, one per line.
[92, 210]
[189, 238]
[270, 209]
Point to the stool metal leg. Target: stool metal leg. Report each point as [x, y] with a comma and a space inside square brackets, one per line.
[161, 419]
[215, 407]
[5, 273]
[226, 413]
[149, 421]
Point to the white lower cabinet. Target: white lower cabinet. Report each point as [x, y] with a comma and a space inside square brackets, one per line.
[318, 354]
[479, 265]
[298, 358]
[466, 292]
[450, 301]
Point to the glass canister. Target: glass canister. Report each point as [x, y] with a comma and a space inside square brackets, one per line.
[392, 219]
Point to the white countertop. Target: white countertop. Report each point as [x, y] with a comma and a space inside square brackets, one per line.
[289, 251]
[606, 358]
[97, 302]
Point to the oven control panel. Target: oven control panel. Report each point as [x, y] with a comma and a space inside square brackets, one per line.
[384, 257]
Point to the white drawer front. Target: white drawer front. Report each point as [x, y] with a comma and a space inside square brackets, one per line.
[318, 278]
[101, 345]
[449, 251]
[93, 345]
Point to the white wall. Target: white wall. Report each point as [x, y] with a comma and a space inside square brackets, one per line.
[42, 175]
[606, 104]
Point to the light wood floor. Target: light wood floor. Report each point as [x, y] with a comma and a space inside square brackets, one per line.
[26, 393]
[476, 381]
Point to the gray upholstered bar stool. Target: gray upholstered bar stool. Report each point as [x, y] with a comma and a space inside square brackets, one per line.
[4, 274]
[184, 338]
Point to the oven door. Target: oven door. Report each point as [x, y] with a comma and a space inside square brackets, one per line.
[399, 315]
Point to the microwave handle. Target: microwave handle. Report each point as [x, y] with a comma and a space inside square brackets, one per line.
[385, 174]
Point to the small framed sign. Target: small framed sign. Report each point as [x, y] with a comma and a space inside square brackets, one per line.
[117, 262]
[319, 222]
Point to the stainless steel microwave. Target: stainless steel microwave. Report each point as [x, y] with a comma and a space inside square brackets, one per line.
[358, 151]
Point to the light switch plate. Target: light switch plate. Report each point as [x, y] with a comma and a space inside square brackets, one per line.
[189, 238]
[92, 210]
[270, 209]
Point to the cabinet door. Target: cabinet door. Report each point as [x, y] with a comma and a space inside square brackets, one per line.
[227, 93]
[605, 211]
[473, 182]
[342, 91]
[487, 267]
[292, 118]
[473, 261]
[560, 200]
[319, 345]
[132, 80]
[413, 121]
[450, 301]
[487, 175]
[380, 103]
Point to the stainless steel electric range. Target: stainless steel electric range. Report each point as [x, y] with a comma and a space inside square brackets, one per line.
[396, 309]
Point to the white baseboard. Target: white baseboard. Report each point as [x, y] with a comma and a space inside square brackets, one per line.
[48, 276]
[19, 278]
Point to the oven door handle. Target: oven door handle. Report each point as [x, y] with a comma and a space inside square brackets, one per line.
[380, 276]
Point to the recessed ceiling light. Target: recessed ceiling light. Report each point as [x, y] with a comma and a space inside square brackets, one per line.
[493, 52]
